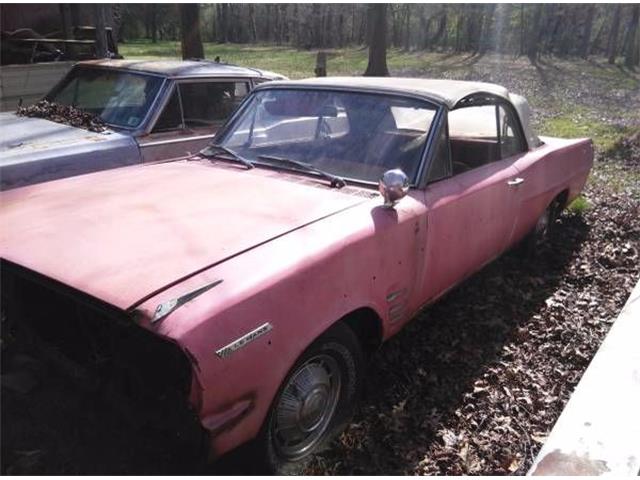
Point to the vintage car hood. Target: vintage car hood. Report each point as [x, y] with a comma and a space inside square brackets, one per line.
[125, 234]
[34, 150]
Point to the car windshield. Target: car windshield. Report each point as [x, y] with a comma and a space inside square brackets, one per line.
[121, 99]
[352, 135]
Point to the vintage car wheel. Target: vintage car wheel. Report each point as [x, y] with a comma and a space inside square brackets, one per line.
[540, 234]
[315, 401]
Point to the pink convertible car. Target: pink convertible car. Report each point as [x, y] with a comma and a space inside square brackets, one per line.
[235, 295]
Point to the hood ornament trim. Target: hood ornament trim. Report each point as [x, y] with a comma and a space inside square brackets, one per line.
[165, 308]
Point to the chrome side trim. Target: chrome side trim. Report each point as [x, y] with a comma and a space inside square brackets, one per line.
[175, 140]
[227, 350]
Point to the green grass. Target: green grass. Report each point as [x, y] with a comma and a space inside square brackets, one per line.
[579, 205]
[288, 61]
[579, 123]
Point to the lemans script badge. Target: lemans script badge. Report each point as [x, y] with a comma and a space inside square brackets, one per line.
[244, 340]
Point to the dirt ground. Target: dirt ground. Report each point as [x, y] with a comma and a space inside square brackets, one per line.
[471, 386]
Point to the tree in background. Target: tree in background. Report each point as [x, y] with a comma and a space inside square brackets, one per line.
[190, 31]
[377, 27]
[632, 51]
[535, 30]
[101, 32]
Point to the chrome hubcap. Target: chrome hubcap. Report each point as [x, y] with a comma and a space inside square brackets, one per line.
[542, 227]
[306, 406]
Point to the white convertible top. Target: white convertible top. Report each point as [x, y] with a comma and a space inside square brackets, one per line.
[446, 92]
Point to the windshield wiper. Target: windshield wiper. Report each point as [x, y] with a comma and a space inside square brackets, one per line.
[228, 151]
[336, 182]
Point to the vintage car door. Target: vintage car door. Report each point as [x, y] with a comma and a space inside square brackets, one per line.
[536, 184]
[190, 117]
[472, 203]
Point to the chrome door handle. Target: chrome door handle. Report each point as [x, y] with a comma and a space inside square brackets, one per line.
[515, 182]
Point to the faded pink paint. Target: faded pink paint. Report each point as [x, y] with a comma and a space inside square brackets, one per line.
[132, 231]
[173, 220]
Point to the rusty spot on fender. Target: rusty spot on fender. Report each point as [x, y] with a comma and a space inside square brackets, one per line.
[559, 463]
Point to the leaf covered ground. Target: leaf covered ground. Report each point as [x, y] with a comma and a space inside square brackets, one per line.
[475, 383]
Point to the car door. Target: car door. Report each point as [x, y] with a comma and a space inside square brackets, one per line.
[472, 201]
[190, 117]
[536, 186]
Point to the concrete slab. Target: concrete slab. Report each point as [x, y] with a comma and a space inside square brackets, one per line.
[598, 433]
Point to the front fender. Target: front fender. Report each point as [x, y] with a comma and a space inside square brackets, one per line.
[300, 285]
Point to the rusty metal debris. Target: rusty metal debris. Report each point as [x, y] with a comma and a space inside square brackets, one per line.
[63, 114]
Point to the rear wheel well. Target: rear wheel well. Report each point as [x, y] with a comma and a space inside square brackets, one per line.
[562, 200]
[367, 326]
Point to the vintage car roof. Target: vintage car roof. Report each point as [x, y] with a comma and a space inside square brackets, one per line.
[183, 68]
[448, 92]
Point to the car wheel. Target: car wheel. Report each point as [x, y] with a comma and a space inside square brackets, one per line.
[542, 230]
[315, 402]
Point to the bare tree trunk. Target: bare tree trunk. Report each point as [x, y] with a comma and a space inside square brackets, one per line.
[222, 10]
[252, 23]
[352, 39]
[101, 32]
[597, 40]
[459, 25]
[534, 34]
[154, 22]
[443, 27]
[295, 33]
[586, 33]
[522, 29]
[631, 52]
[190, 30]
[327, 27]
[364, 37]
[317, 25]
[614, 33]
[377, 17]
[407, 27]
[65, 17]
[422, 18]
[486, 34]
[284, 25]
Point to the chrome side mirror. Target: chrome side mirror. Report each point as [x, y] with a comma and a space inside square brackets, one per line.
[393, 186]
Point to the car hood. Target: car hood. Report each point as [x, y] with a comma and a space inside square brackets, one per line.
[30, 136]
[126, 234]
[34, 150]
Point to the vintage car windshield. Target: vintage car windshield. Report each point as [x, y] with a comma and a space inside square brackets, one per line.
[121, 99]
[352, 135]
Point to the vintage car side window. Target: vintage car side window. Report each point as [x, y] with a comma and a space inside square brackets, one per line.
[171, 116]
[440, 166]
[407, 118]
[473, 133]
[210, 103]
[200, 104]
[511, 141]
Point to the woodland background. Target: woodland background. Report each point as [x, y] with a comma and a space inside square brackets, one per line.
[579, 30]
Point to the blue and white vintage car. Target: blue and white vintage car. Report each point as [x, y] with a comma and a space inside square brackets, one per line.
[154, 110]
